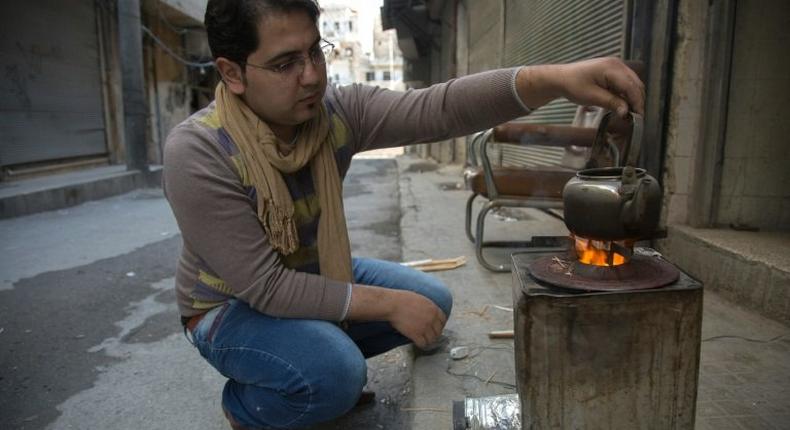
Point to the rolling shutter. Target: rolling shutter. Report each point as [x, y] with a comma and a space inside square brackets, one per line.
[51, 103]
[558, 31]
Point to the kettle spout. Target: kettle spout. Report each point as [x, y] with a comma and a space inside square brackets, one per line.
[641, 205]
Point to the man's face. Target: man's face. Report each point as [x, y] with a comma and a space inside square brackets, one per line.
[286, 99]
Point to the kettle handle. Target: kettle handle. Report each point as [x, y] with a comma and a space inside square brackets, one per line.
[632, 149]
[635, 144]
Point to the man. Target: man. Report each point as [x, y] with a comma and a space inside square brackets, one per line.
[266, 284]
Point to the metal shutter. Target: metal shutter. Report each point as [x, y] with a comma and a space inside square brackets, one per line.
[50, 97]
[558, 31]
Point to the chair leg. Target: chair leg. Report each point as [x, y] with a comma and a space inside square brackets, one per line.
[481, 218]
[468, 224]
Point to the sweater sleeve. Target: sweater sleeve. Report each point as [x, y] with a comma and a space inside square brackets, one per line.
[382, 118]
[218, 223]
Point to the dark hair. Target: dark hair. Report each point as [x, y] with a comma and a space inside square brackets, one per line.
[232, 25]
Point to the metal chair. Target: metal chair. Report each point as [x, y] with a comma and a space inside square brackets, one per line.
[528, 187]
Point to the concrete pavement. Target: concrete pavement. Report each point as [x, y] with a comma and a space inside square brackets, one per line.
[89, 332]
[745, 358]
[90, 339]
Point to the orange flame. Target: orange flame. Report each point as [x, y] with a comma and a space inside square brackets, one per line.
[597, 253]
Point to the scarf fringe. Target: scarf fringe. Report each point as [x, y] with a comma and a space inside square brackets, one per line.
[280, 226]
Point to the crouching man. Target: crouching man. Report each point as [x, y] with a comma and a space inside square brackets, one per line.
[268, 290]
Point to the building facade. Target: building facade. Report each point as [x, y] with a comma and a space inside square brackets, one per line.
[362, 54]
[717, 79]
[339, 24]
[385, 63]
[69, 101]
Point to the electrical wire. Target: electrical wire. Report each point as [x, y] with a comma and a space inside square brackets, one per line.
[175, 28]
[475, 350]
[726, 336]
[172, 53]
[487, 381]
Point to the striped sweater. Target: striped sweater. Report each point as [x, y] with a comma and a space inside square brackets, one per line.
[225, 251]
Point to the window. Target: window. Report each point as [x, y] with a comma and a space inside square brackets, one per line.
[337, 26]
[350, 26]
[387, 76]
[370, 76]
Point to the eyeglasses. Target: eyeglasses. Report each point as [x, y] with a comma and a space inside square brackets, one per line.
[295, 66]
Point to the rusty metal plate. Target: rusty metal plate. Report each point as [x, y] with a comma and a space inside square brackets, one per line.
[641, 272]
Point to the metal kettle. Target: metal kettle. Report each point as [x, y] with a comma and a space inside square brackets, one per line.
[613, 203]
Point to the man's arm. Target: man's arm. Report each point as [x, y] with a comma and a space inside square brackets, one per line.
[219, 224]
[412, 314]
[381, 118]
[604, 82]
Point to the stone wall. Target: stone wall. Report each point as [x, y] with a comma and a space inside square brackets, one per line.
[755, 188]
[683, 119]
[755, 178]
[169, 96]
[470, 42]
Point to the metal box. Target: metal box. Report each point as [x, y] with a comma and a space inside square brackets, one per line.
[606, 360]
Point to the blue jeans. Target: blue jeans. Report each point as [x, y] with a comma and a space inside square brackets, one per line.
[292, 373]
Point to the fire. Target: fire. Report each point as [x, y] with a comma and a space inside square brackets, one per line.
[597, 253]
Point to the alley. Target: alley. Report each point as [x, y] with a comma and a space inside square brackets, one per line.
[89, 326]
[605, 273]
[91, 340]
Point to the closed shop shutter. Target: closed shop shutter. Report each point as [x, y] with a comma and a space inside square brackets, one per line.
[558, 31]
[50, 94]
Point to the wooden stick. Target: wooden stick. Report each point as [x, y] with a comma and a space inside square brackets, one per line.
[424, 410]
[479, 313]
[431, 265]
[438, 267]
[501, 334]
[416, 263]
[490, 377]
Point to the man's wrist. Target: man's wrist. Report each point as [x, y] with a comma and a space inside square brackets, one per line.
[536, 85]
[369, 303]
[392, 300]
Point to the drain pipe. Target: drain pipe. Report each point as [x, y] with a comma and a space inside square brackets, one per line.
[135, 111]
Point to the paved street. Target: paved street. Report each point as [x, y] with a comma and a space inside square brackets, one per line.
[745, 358]
[89, 326]
[90, 334]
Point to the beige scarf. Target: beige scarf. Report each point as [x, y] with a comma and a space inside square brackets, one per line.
[264, 165]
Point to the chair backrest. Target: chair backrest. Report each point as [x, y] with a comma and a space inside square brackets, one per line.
[575, 157]
[575, 139]
[561, 146]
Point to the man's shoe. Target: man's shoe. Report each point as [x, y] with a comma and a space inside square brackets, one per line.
[233, 423]
[366, 398]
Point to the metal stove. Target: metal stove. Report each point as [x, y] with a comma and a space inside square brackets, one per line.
[605, 346]
[607, 334]
[644, 269]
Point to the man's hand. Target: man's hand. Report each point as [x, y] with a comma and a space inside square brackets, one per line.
[412, 314]
[604, 82]
[417, 318]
